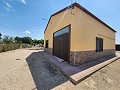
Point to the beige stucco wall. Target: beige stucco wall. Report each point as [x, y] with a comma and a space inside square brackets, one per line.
[84, 30]
[58, 22]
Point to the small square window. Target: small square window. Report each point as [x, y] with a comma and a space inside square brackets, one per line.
[99, 44]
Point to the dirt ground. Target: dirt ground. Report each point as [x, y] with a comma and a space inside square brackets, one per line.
[28, 69]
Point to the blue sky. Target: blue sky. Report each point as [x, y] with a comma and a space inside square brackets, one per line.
[24, 17]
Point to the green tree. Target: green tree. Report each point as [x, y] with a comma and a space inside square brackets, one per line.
[42, 41]
[8, 39]
[18, 40]
[26, 40]
[35, 41]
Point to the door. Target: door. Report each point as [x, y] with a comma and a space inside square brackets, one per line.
[61, 44]
[58, 47]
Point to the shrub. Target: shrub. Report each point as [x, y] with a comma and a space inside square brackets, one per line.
[8, 47]
[1, 48]
[7, 39]
[17, 46]
[5, 48]
[26, 46]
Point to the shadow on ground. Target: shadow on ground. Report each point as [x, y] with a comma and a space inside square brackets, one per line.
[46, 75]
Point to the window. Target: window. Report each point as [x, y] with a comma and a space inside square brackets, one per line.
[46, 44]
[99, 44]
[60, 32]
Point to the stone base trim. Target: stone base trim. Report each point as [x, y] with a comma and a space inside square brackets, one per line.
[81, 57]
[48, 50]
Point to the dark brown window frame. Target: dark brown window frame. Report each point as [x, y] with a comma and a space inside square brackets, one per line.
[100, 42]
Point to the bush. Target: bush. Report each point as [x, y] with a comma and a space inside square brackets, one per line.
[7, 39]
[1, 48]
[8, 47]
[17, 46]
[5, 47]
[26, 46]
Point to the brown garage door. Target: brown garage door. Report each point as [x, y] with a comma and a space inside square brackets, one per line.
[61, 44]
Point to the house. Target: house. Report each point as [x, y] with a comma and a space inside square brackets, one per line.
[77, 36]
[117, 47]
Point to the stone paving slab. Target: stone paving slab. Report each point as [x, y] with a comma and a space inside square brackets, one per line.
[78, 73]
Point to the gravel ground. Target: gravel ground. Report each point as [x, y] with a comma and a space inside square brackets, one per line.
[45, 74]
[25, 69]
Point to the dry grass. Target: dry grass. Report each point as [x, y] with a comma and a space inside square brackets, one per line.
[8, 47]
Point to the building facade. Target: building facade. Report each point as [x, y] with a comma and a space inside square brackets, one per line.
[77, 36]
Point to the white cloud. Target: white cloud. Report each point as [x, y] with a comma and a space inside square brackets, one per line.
[23, 1]
[8, 5]
[28, 32]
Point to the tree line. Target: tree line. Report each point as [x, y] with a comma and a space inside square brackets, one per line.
[24, 40]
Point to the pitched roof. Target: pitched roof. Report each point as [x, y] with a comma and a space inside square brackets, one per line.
[82, 8]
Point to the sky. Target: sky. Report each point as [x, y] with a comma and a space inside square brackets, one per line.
[24, 17]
